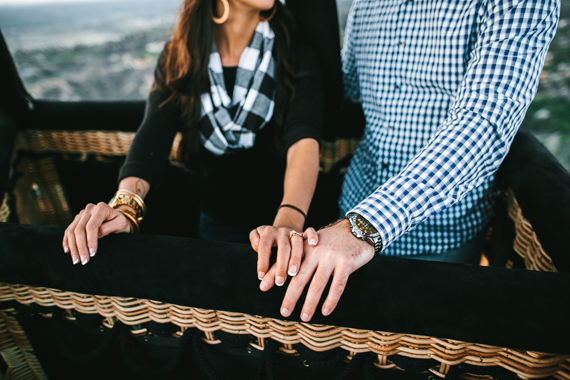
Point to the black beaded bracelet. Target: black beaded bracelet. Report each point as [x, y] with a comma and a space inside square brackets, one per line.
[294, 208]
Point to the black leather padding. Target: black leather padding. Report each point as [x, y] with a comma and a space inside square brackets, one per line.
[512, 308]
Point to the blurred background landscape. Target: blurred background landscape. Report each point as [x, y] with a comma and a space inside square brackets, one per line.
[75, 50]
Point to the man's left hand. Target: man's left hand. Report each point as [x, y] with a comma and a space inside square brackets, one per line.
[338, 254]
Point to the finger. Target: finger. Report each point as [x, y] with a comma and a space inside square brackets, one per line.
[66, 246]
[296, 255]
[254, 239]
[283, 255]
[81, 235]
[296, 286]
[266, 241]
[70, 232]
[100, 213]
[311, 236]
[318, 284]
[118, 223]
[268, 280]
[338, 285]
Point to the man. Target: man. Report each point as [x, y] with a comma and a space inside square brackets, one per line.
[444, 85]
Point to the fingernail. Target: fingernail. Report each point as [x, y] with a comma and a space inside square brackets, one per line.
[84, 261]
[75, 261]
[284, 312]
[92, 252]
[263, 285]
[260, 275]
[65, 249]
[312, 242]
[326, 312]
[279, 281]
[305, 317]
[292, 270]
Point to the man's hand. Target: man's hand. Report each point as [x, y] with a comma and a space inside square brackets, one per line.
[337, 254]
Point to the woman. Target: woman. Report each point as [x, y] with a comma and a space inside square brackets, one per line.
[247, 101]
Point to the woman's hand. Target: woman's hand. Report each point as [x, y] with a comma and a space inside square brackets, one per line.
[289, 245]
[92, 223]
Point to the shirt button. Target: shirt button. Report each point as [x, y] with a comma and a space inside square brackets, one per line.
[397, 86]
[401, 44]
[384, 165]
[390, 127]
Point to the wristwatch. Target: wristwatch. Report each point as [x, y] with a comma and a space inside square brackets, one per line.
[363, 230]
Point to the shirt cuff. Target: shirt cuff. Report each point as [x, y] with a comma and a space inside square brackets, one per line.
[397, 206]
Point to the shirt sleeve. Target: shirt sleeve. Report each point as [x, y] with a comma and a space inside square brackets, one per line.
[305, 115]
[501, 80]
[150, 150]
[349, 72]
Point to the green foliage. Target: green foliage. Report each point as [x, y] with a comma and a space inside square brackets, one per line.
[556, 110]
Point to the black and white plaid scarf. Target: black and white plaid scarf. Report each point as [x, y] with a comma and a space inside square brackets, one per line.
[253, 97]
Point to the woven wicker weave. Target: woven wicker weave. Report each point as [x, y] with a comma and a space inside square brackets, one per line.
[4, 210]
[17, 351]
[526, 242]
[448, 353]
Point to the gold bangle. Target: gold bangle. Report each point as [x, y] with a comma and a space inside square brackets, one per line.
[128, 198]
[132, 221]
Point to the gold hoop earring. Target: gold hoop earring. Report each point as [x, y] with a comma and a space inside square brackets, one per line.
[271, 15]
[225, 15]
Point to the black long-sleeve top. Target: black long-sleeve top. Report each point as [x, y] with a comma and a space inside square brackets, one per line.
[242, 188]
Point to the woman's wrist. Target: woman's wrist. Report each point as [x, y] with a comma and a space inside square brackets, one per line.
[287, 217]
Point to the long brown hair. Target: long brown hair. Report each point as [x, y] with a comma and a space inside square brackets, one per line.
[182, 74]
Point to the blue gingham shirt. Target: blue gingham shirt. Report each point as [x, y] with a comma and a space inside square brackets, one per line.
[444, 85]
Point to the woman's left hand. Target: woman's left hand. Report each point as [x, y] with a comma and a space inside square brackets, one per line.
[289, 245]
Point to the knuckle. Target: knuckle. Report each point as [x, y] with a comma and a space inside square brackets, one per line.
[288, 300]
[317, 286]
[89, 206]
[341, 281]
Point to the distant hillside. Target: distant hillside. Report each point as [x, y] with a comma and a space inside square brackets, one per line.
[108, 50]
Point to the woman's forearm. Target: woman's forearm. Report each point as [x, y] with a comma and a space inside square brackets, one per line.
[137, 185]
[299, 184]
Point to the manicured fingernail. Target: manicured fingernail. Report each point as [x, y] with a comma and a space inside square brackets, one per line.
[92, 252]
[65, 249]
[305, 317]
[292, 270]
[312, 242]
[84, 261]
[75, 261]
[284, 312]
[279, 281]
[326, 312]
[263, 285]
[260, 275]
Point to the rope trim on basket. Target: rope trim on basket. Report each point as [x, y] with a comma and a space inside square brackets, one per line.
[116, 143]
[447, 353]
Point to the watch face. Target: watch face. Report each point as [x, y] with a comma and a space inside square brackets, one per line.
[362, 224]
[363, 230]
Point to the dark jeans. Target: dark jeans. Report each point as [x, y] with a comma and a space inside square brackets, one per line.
[212, 229]
[469, 253]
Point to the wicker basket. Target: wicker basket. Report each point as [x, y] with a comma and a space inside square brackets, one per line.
[40, 199]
